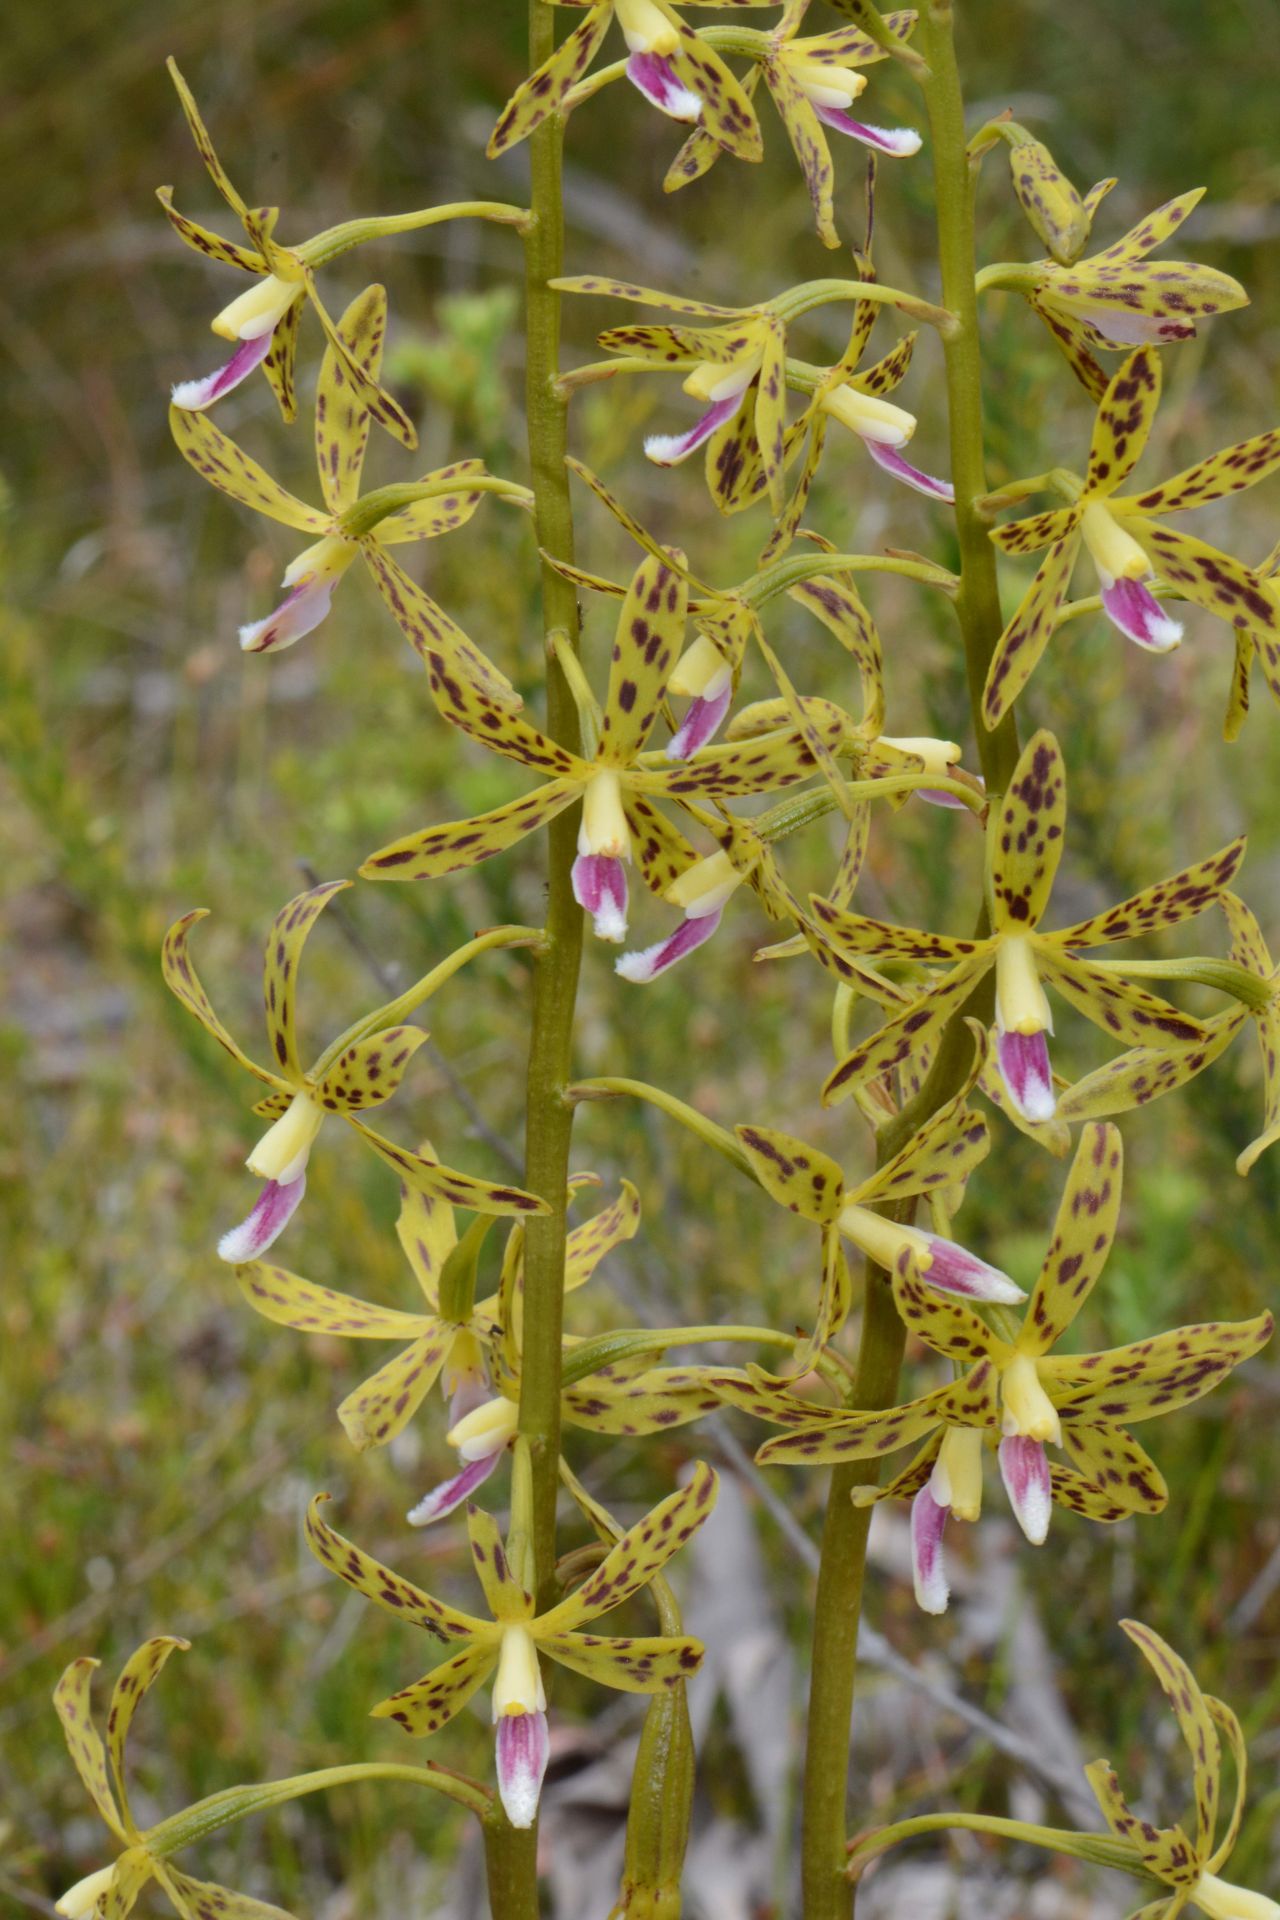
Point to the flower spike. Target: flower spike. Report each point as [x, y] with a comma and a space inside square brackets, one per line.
[1019, 1396]
[510, 1645]
[1024, 840]
[1128, 543]
[348, 1079]
[349, 528]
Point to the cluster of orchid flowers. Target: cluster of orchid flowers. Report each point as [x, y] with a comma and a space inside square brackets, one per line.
[1008, 1390]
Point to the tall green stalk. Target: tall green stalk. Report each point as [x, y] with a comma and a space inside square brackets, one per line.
[828, 1894]
[512, 1856]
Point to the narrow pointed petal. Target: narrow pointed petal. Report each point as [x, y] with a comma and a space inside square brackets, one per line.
[669, 449]
[657, 80]
[450, 1494]
[701, 723]
[1131, 606]
[193, 395]
[928, 1571]
[892, 462]
[649, 962]
[953, 1269]
[275, 1208]
[1024, 1468]
[524, 1745]
[901, 142]
[299, 612]
[600, 889]
[1023, 1059]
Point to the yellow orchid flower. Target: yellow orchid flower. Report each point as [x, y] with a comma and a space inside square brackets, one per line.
[1024, 846]
[1127, 542]
[615, 783]
[512, 1642]
[359, 1071]
[1190, 1865]
[667, 62]
[264, 321]
[1016, 1393]
[813, 81]
[349, 527]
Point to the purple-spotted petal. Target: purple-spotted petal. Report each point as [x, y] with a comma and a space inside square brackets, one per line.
[701, 723]
[1023, 1060]
[899, 141]
[657, 80]
[954, 1269]
[600, 889]
[273, 1210]
[524, 1745]
[669, 449]
[299, 612]
[892, 461]
[649, 962]
[1129, 329]
[1131, 606]
[1024, 1468]
[194, 395]
[928, 1571]
[451, 1493]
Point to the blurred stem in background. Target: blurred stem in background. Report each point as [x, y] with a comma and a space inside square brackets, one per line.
[512, 1855]
[828, 1894]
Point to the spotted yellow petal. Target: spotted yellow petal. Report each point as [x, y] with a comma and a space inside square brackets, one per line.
[726, 111]
[427, 1232]
[1230, 1730]
[917, 1025]
[1165, 1852]
[227, 252]
[280, 365]
[136, 1678]
[1024, 841]
[183, 981]
[808, 143]
[1122, 1471]
[1220, 474]
[943, 1322]
[458, 844]
[1195, 1723]
[799, 1177]
[628, 1666]
[1028, 633]
[643, 1551]
[383, 1405]
[478, 713]
[593, 1239]
[767, 764]
[386, 1589]
[658, 847]
[1074, 341]
[1082, 1237]
[1120, 1007]
[377, 402]
[882, 940]
[430, 1703]
[1143, 1074]
[1036, 531]
[369, 1071]
[459, 1188]
[1208, 578]
[204, 1900]
[291, 1301]
[835, 599]
[71, 1701]
[504, 1596]
[652, 1401]
[594, 283]
[1166, 904]
[342, 418]
[204, 145]
[544, 91]
[943, 1153]
[1154, 1376]
[220, 461]
[1080, 1493]
[441, 512]
[288, 936]
[430, 630]
[129, 1876]
[1123, 424]
[855, 1436]
[741, 477]
[647, 643]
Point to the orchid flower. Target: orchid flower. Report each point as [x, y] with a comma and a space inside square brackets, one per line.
[668, 63]
[1024, 845]
[813, 81]
[614, 783]
[1189, 1867]
[1127, 544]
[704, 887]
[1017, 1394]
[264, 321]
[348, 527]
[456, 1339]
[112, 1892]
[359, 1071]
[936, 1161]
[512, 1642]
[1119, 298]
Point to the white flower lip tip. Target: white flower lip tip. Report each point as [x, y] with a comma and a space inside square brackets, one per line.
[666, 449]
[271, 1214]
[523, 1748]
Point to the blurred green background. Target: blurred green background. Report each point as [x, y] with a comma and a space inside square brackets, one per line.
[161, 1442]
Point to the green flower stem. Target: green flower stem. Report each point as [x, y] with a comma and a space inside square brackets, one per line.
[237, 1803]
[828, 1895]
[352, 233]
[1099, 1849]
[511, 1856]
[373, 508]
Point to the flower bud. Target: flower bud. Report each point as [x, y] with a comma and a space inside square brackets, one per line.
[1050, 202]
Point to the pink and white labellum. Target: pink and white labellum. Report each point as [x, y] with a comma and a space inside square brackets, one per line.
[311, 579]
[883, 429]
[648, 962]
[937, 1262]
[480, 1437]
[832, 90]
[701, 891]
[953, 1490]
[272, 1211]
[704, 677]
[523, 1748]
[669, 449]
[1024, 1468]
[251, 320]
[1023, 1024]
[280, 1159]
[652, 38]
[1124, 569]
[604, 843]
[928, 1572]
[1023, 1060]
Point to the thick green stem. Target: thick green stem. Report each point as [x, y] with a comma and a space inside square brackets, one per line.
[511, 1855]
[828, 1895]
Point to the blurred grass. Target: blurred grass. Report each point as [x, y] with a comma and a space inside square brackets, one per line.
[162, 1442]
